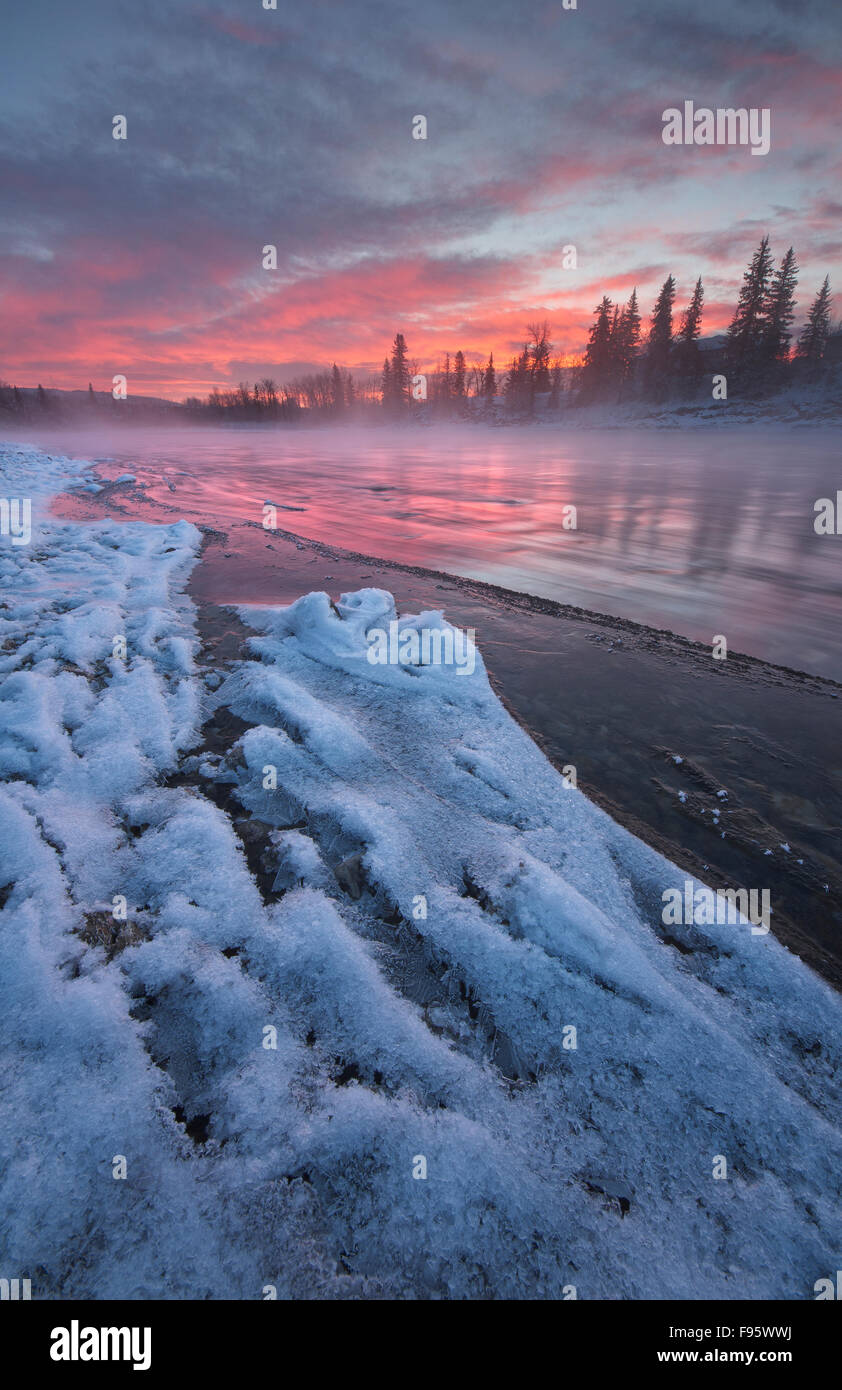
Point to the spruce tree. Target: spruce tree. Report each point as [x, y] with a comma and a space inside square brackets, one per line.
[687, 338]
[659, 343]
[526, 378]
[400, 371]
[596, 369]
[519, 380]
[747, 328]
[336, 389]
[386, 383]
[779, 310]
[555, 384]
[632, 326]
[628, 339]
[489, 381]
[813, 340]
[459, 374]
[615, 342]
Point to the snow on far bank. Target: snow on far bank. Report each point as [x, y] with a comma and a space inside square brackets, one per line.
[359, 930]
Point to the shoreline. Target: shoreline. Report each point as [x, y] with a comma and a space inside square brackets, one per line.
[638, 783]
[805, 404]
[86, 505]
[677, 541]
[738, 725]
[381, 872]
[534, 603]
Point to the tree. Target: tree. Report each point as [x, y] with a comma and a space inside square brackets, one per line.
[746, 331]
[386, 383]
[615, 344]
[42, 397]
[489, 381]
[400, 372]
[813, 340]
[628, 339]
[539, 349]
[269, 390]
[779, 310]
[519, 387]
[337, 389]
[659, 342]
[687, 338]
[596, 370]
[555, 384]
[459, 374]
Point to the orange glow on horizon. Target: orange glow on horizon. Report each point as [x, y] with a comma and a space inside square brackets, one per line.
[173, 350]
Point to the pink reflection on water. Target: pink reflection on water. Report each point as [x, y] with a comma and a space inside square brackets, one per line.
[698, 531]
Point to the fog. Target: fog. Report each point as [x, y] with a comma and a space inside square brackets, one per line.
[705, 532]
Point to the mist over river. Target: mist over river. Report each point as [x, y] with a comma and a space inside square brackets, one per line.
[701, 531]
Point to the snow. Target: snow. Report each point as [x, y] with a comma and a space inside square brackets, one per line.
[318, 1041]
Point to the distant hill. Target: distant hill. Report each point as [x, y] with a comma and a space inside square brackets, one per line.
[34, 402]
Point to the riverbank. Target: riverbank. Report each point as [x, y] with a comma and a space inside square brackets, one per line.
[654, 726]
[361, 995]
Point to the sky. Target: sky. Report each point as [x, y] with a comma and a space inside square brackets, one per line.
[292, 127]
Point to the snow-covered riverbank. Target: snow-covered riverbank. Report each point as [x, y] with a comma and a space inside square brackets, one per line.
[365, 921]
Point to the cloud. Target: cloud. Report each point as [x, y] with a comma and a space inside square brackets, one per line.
[293, 127]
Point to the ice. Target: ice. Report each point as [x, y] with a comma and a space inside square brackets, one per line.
[376, 929]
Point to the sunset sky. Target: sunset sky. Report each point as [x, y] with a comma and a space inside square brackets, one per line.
[249, 126]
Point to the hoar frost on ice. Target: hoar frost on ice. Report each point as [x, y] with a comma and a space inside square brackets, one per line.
[399, 1031]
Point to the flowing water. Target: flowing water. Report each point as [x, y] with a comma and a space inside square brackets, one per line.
[705, 532]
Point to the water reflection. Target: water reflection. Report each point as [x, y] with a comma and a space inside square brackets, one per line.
[703, 532]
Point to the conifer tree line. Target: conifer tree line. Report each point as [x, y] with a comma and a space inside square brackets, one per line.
[452, 382]
[626, 357]
[623, 358]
